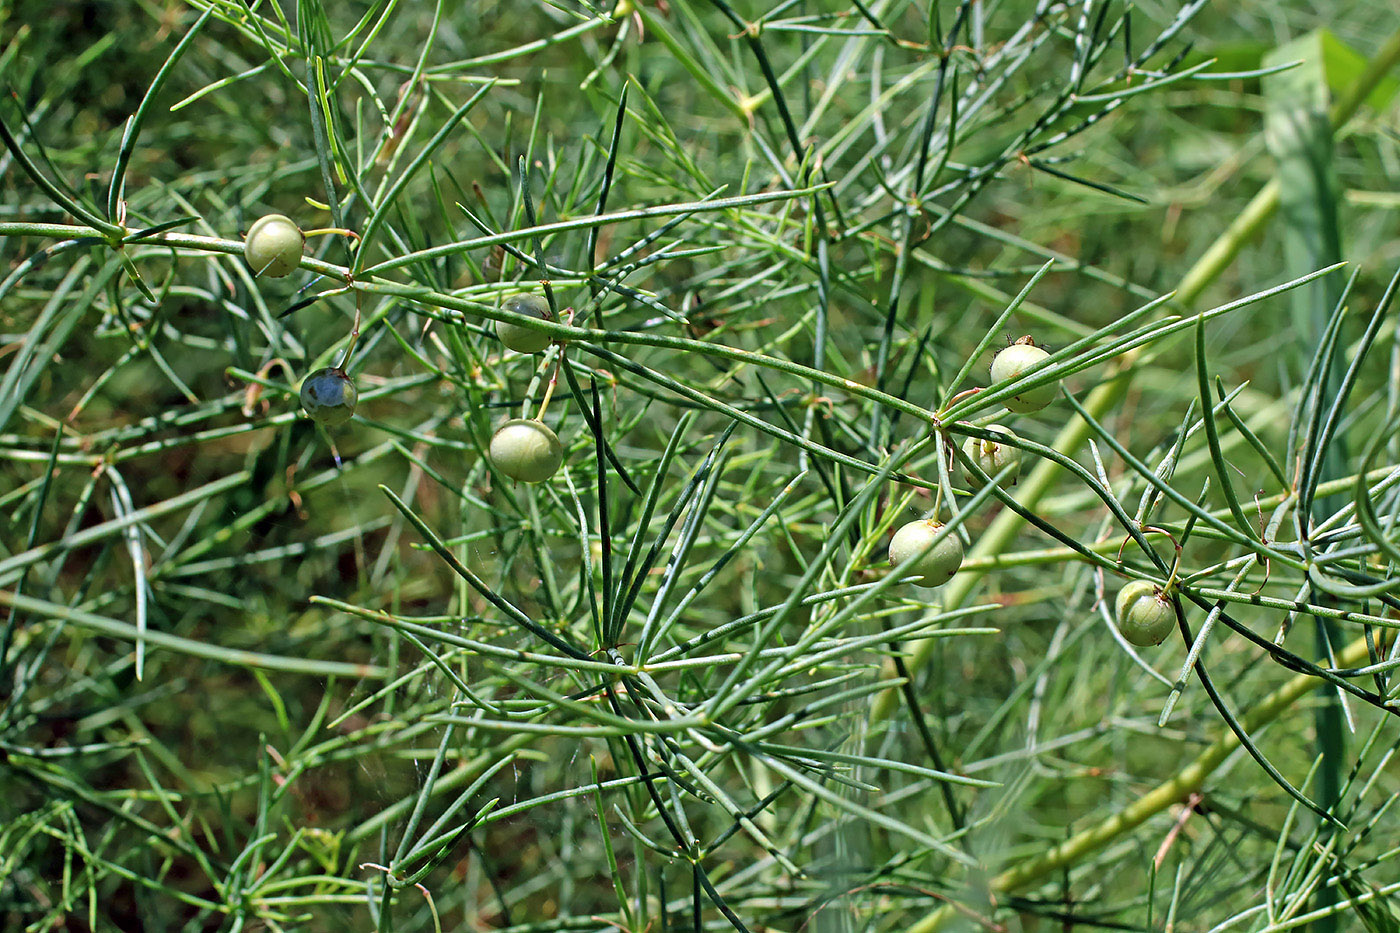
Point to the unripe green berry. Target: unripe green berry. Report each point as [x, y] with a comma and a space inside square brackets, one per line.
[329, 396]
[938, 564]
[1144, 615]
[273, 246]
[526, 450]
[523, 339]
[1015, 361]
[993, 456]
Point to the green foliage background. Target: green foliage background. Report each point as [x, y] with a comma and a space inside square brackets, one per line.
[244, 688]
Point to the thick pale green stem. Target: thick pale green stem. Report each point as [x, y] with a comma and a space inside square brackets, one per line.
[1213, 262]
[998, 537]
[1173, 790]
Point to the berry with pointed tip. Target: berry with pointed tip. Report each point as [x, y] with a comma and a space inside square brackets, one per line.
[273, 246]
[1144, 615]
[329, 396]
[993, 456]
[523, 339]
[526, 450]
[1015, 361]
[938, 564]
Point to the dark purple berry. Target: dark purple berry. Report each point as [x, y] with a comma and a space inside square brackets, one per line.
[329, 396]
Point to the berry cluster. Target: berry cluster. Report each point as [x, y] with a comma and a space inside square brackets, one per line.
[522, 449]
[1143, 610]
[937, 559]
[527, 450]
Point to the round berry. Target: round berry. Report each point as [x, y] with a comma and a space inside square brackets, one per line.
[1145, 616]
[993, 456]
[1015, 361]
[329, 396]
[526, 450]
[938, 564]
[273, 246]
[517, 337]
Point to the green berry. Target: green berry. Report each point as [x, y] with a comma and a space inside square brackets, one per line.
[993, 456]
[1145, 616]
[273, 246]
[526, 450]
[938, 564]
[1015, 361]
[329, 396]
[524, 339]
